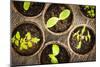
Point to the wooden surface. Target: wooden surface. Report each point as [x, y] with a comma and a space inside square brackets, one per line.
[78, 18]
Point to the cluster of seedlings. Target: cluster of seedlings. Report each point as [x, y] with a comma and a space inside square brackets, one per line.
[89, 11]
[58, 19]
[26, 42]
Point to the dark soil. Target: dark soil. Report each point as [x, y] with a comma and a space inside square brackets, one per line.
[86, 46]
[34, 9]
[54, 10]
[85, 11]
[35, 32]
[63, 56]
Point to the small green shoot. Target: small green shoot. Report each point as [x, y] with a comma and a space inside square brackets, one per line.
[62, 16]
[28, 35]
[90, 11]
[52, 21]
[18, 35]
[53, 59]
[55, 52]
[55, 49]
[26, 42]
[26, 5]
[81, 36]
[35, 40]
[79, 45]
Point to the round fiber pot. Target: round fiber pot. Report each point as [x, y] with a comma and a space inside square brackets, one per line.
[27, 39]
[63, 56]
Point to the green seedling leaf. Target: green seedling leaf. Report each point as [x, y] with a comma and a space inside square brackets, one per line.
[18, 35]
[26, 5]
[35, 40]
[29, 44]
[13, 39]
[86, 38]
[52, 21]
[78, 37]
[75, 34]
[89, 36]
[64, 14]
[21, 40]
[79, 45]
[55, 49]
[24, 46]
[53, 59]
[16, 42]
[83, 30]
[28, 35]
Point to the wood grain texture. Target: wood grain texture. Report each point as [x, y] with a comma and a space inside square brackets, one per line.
[17, 19]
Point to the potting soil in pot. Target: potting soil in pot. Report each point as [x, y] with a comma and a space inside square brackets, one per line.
[70, 28]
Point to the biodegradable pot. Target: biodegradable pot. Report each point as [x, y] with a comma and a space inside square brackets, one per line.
[35, 31]
[84, 12]
[35, 8]
[62, 26]
[63, 56]
[86, 46]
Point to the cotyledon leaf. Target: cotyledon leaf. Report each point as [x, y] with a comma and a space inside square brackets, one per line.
[79, 45]
[89, 36]
[26, 5]
[64, 14]
[29, 44]
[83, 29]
[35, 40]
[28, 35]
[17, 42]
[55, 49]
[13, 39]
[52, 21]
[53, 59]
[18, 35]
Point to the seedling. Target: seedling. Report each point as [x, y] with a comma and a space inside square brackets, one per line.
[80, 36]
[62, 16]
[55, 52]
[90, 10]
[26, 5]
[26, 42]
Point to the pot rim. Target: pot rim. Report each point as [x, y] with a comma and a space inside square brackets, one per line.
[61, 33]
[42, 44]
[84, 15]
[16, 11]
[70, 35]
[59, 43]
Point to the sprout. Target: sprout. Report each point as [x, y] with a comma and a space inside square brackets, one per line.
[55, 49]
[55, 52]
[79, 45]
[13, 39]
[28, 35]
[18, 35]
[86, 38]
[29, 44]
[81, 36]
[35, 40]
[16, 42]
[64, 14]
[26, 42]
[53, 20]
[26, 5]
[83, 29]
[90, 10]
[89, 36]
[53, 59]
